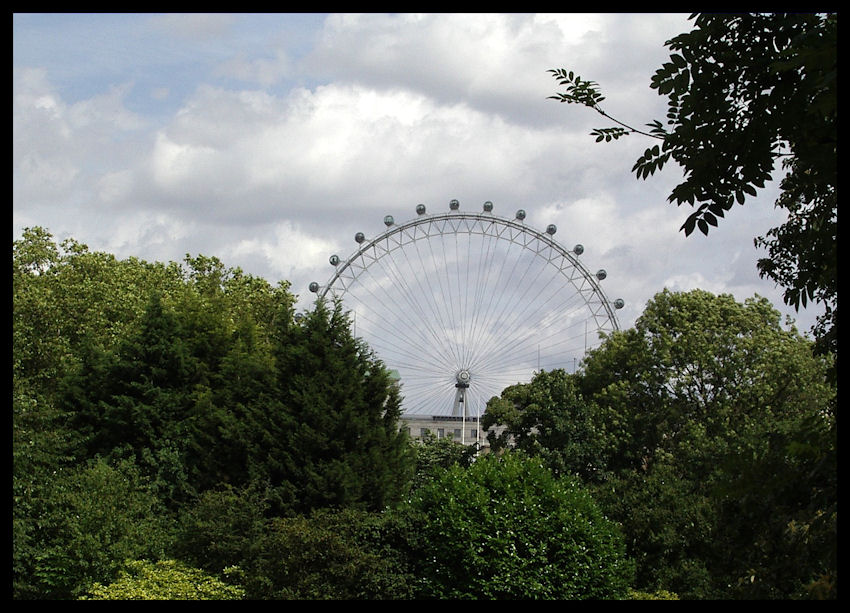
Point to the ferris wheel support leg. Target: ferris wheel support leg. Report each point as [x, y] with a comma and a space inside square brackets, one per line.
[459, 408]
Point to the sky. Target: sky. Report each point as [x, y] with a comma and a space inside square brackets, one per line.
[269, 140]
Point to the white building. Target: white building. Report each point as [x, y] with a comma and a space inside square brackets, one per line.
[466, 431]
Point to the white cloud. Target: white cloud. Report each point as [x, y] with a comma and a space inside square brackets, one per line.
[388, 111]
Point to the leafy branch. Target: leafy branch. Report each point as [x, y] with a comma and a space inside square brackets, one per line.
[587, 93]
[584, 92]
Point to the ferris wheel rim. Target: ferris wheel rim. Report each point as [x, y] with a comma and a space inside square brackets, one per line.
[430, 218]
[356, 274]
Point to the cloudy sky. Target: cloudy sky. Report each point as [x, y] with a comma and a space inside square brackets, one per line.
[268, 140]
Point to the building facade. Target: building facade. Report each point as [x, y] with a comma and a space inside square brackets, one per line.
[466, 431]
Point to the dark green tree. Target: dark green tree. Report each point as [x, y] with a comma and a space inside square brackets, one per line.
[343, 445]
[506, 528]
[715, 396]
[550, 419]
[224, 527]
[746, 94]
[714, 433]
[91, 518]
[435, 454]
[137, 403]
[343, 554]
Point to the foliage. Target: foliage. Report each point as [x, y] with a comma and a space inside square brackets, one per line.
[434, 454]
[87, 521]
[659, 595]
[170, 413]
[67, 298]
[713, 434]
[732, 418]
[224, 527]
[195, 379]
[506, 528]
[802, 253]
[744, 92]
[332, 554]
[163, 580]
[342, 444]
[549, 418]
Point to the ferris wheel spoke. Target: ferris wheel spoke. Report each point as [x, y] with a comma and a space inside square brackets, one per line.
[437, 300]
[520, 332]
[397, 337]
[468, 293]
[483, 302]
[510, 315]
[517, 348]
[540, 306]
[429, 335]
[496, 307]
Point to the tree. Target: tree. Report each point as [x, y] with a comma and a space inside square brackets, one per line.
[223, 527]
[344, 554]
[90, 519]
[549, 418]
[713, 432]
[745, 92]
[506, 528]
[138, 402]
[436, 454]
[342, 444]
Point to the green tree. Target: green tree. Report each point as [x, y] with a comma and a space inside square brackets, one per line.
[163, 580]
[436, 454]
[550, 419]
[342, 441]
[714, 433]
[66, 298]
[91, 518]
[137, 402]
[716, 396]
[224, 527]
[344, 554]
[507, 528]
[747, 92]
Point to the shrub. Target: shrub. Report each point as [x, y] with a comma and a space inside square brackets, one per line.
[163, 580]
[507, 528]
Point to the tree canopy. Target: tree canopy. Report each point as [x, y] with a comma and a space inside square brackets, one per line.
[177, 427]
[506, 528]
[709, 432]
[748, 93]
[157, 383]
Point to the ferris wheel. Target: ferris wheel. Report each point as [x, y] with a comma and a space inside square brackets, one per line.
[464, 304]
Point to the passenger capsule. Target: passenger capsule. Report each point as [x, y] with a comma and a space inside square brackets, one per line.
[314, 287]
[488, 207]
[619, 303]
[454, 205]
[551, 229]
[601, 274]
[359, 237]
[334, 260]
[388, 220]
[520, 214]
[578, 249]
[420, 209]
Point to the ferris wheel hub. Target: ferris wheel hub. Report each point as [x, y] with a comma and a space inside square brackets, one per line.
[463, 378]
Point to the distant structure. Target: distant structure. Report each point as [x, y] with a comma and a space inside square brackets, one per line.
[464, 431]
[459, 428]
[464, 304]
